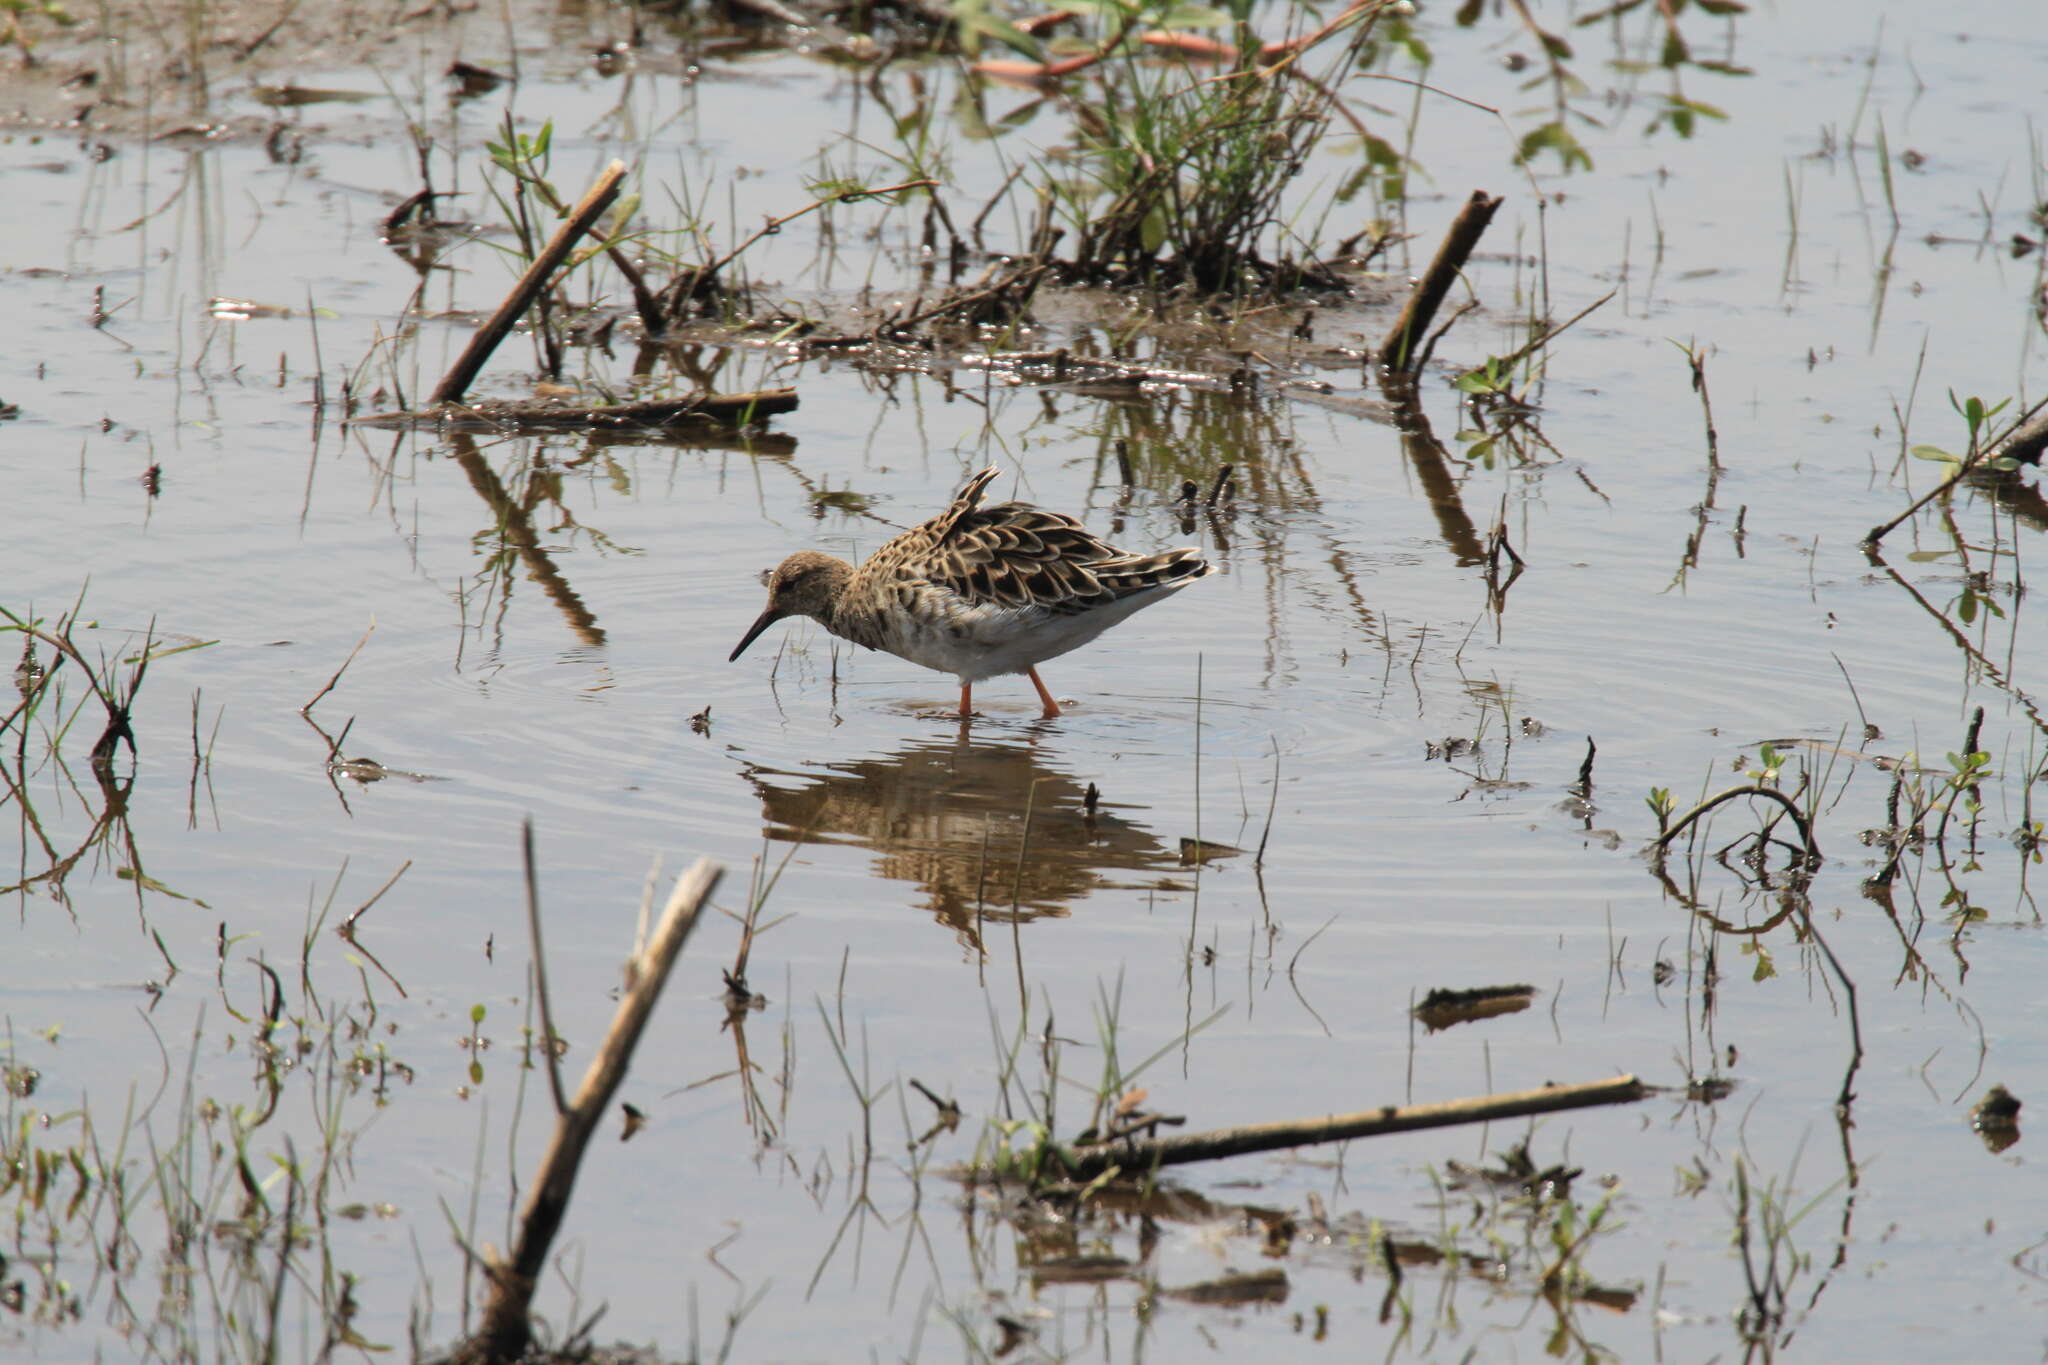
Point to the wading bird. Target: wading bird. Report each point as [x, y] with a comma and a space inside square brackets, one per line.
[978, 591]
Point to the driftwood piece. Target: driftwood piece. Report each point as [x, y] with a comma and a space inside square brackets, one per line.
[1399, 351]
[506, 1330]
[537, 277]
[725, 409]
[1135, 1157]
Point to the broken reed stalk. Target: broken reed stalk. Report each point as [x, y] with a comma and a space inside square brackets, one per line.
[506, 1330]
[1398, 350]
[331, 682]
[537, 277]
[1698, 364]
[1086, 1164]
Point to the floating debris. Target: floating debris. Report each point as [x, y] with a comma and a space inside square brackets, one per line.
[1442, 1008]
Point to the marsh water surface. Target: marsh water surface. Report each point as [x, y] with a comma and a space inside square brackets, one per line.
[552, 617]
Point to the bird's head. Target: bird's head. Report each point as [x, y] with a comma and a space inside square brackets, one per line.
[806, 584]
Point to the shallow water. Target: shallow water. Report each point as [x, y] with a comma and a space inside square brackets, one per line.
[1349, 630]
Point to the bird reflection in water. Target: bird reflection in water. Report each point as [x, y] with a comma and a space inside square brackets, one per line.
[950, 817]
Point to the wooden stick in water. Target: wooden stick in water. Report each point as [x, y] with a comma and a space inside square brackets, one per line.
[1134, 1157]
[506, 1329]
[537, 277]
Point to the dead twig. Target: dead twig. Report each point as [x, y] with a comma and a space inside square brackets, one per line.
[1769, 793]
[1538, 343]
[506, 1329]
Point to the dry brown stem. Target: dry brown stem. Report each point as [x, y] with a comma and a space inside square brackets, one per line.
[587, 211]
[1266, 1137]
[506, 1331]
[1398, 351]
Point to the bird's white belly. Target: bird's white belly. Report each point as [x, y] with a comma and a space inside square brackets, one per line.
[986, 642]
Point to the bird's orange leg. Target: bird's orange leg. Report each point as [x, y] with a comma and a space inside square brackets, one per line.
[1052, 708]
[966, 707]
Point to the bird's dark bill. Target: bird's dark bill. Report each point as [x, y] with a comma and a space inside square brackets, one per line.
[767, 619]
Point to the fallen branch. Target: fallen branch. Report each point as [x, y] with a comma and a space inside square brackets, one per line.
[506, 1331]
[537, 277]
[724, 409]
[1087, 1163]
[1398, 350]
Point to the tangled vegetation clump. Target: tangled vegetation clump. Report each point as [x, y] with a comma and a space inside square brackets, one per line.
[1179, 177]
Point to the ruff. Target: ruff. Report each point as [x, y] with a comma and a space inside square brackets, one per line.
[978, 591]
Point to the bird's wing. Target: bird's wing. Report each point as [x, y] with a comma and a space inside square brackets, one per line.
[1014, 555]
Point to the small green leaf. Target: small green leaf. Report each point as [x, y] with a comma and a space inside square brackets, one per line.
[1152, 232]
[1192, 16]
